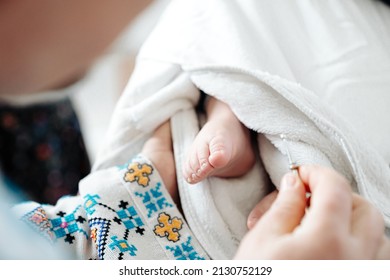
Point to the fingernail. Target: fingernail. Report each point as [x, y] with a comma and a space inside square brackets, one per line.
[289, 180]
[252, 222]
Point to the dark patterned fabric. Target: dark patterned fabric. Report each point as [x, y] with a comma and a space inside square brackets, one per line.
[386, 2]
[42, 152]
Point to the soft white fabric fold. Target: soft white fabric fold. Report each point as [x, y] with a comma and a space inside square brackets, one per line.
[316, 71]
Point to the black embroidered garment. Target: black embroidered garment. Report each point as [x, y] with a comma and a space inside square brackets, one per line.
[42, 152]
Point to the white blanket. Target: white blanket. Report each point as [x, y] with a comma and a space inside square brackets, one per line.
[315, 71]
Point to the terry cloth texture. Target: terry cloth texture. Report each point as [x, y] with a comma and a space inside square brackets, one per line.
[316, 71]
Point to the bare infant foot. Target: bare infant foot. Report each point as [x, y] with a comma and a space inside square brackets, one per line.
[158, 149]
[222, 148]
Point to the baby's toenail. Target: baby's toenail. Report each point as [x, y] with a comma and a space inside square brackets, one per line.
[198, 171]
[189, 180]
[193, 176]
[203, 165]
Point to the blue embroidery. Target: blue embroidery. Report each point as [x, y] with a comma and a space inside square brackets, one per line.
[154, 200]
[66, 225]
[99, 232]
[90, 202]
[184, 251]
[123, 246]
[130, 219]
[37, 219]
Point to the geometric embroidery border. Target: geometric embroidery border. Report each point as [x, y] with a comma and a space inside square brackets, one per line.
[184, 251]
[99, 233]
[37, 220]
[66, 225]
[154, 200]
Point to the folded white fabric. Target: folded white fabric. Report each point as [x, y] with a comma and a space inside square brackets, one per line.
[122, 212]
[315, 71]
[215, 209]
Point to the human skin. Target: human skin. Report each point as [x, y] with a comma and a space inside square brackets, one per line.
[338, 225]
[48, 44]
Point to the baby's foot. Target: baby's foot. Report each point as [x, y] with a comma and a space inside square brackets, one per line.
[158, 149]
[222, 148]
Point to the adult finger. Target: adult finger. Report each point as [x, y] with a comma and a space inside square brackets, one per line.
[330, 201]
[384, 250]
[260, 208]
[288, 209]
[367, 226]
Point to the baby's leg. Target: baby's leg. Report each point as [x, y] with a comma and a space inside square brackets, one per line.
[158, 149]
[222, 148]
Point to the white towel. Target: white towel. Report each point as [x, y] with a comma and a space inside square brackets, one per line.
[312, 70]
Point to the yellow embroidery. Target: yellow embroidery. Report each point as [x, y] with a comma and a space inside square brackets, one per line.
[139, 172]
[168, 227]
[93, 234]
[39, 217]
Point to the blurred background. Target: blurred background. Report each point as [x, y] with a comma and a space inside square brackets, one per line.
[104, 83]
[100, 89]
[63, 66]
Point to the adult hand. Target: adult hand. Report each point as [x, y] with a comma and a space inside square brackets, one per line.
[338, 224]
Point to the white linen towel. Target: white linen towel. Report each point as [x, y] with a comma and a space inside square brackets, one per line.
[315, 71]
